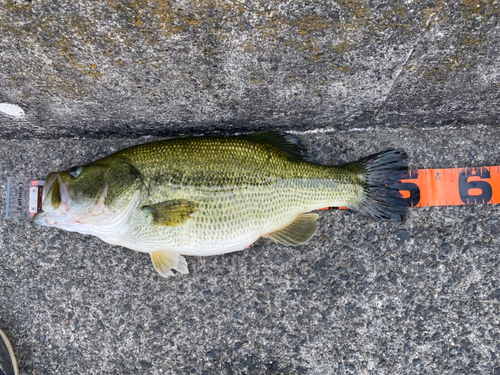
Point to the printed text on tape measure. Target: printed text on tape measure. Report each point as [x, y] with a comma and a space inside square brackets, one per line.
[450, 186]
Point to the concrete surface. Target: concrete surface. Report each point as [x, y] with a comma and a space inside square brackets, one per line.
[126, 68]
[350, 77]
[363, 297]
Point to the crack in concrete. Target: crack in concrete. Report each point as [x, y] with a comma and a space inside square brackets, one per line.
[389, 92]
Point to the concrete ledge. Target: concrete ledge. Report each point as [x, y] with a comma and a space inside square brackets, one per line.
[132, 68]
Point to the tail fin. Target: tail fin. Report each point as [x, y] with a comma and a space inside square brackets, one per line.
[380, 171]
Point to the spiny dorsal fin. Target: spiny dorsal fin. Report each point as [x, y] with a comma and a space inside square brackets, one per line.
[165, 262]
[287, 142]
[172, 213]
[298, 232]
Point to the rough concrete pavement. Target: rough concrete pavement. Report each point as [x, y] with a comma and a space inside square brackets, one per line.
[363, 297]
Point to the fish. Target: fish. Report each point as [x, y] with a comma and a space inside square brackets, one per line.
[211, 195]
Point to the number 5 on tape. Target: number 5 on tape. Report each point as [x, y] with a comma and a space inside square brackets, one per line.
[450, 186]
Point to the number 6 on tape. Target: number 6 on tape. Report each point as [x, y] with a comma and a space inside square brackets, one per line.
[450, 186]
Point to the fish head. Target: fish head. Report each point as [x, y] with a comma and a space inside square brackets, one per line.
[85, 195]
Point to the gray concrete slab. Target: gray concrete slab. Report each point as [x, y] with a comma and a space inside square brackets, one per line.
[363, 297]
[137, 67]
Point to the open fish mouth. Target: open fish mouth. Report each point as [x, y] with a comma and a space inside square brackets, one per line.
[56, 199]
[49, 182]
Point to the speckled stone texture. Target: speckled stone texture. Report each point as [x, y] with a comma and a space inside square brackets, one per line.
[362, 297]
[351, 78]
[136, 67]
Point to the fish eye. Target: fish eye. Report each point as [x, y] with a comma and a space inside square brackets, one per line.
[75, 171]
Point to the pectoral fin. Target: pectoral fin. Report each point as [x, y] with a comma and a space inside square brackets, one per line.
[165, 262]
[172, 213]
[298, 232]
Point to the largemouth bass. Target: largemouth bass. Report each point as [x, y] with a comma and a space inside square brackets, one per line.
[214, 195]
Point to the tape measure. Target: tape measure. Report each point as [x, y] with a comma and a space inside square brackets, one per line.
[419, 187]
[448, 186]
[36, 195]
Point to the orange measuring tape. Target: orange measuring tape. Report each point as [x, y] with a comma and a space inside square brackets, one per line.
[419, 187]
[448, 186]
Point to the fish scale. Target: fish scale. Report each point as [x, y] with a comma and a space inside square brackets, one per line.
[255, 188]
[214, 195]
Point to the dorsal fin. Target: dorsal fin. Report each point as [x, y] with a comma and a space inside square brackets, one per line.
[287, 142]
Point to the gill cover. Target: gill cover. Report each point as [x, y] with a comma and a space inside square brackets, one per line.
[84, 194]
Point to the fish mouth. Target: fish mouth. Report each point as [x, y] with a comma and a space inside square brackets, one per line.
[56, 199]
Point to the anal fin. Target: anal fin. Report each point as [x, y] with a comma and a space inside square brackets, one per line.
[166, 261]
[298, 232]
